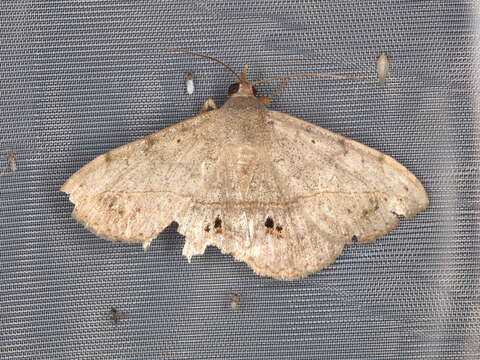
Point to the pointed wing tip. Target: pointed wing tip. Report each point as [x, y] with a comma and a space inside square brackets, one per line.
[69, 185]
[65, 188]
[420, 202]
[424, 201]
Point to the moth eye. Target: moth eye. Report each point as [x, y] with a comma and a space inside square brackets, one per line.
[232, 89]
[254, 89]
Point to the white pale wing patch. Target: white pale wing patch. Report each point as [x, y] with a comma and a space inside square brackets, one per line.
[274, 191]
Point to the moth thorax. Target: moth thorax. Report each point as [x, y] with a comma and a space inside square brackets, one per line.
[245, 156]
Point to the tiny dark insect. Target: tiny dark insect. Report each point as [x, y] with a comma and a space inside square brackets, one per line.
[114, 315]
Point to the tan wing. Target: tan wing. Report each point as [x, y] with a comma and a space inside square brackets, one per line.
[320, 165]
[309, 194]
[337, 190]
[133, 192]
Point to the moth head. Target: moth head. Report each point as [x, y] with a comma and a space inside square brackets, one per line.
[242, 87]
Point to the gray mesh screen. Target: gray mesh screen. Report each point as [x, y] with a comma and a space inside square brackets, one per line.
[79, 78]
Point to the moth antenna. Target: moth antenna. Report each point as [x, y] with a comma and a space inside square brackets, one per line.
[306, 75]
[280, 87]
[207, 57]
[266, 99]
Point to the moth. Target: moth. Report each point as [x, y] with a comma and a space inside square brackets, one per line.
[382, 64]
[189, 85]
[114, 315]
[12, 162]
[278, 193]
[234, 300]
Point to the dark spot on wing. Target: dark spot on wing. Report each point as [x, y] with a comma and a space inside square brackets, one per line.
[113, 201]
[178, 140]
[278, 231]
[313, 141]
[207, 228]
[269, 223]
[218, 225]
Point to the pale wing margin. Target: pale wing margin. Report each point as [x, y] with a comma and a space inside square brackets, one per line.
[349, 189]
[133, 192]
